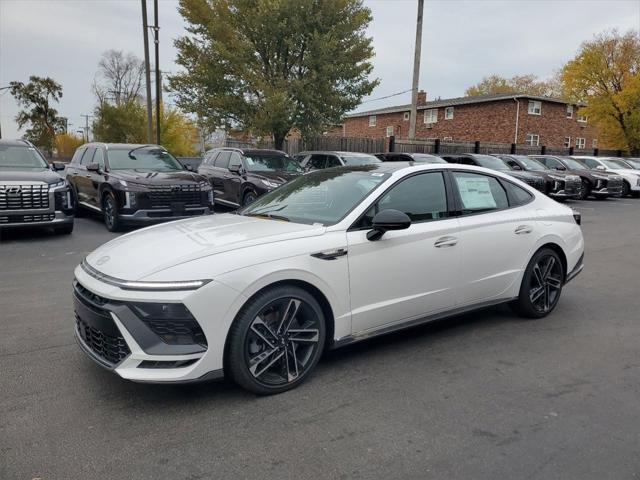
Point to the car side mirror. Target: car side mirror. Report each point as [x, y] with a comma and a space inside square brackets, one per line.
[516, 167]
[58, 166]
[93, 167]
[600, 167]
[189, 167]
[386, 220]
[561, 167]
[235, 169]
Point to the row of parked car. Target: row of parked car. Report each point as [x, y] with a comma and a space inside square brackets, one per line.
[142, 184]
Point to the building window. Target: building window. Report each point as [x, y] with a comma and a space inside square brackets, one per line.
[447, 139]
[431, 115]
[372, 120]
[532, 140]
[535, 107]
[569, 111]
[389, 130]
[580, 143]
[406, 116]
[448, 113]
[594, 143]
[567, 142]
[582, 118]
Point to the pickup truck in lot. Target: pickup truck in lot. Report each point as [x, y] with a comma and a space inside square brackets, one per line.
[32, 193]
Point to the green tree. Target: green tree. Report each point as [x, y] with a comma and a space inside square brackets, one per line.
[528, 84]
[605, 75]
[42, 119]
[269, 65]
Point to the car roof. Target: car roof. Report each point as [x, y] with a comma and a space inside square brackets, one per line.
[18, 142]
[118, 146]
[336, 152]
[248, 151]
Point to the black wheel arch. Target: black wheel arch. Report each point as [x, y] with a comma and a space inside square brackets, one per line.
[558, 249]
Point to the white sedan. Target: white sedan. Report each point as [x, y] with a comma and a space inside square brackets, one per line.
[330, 258]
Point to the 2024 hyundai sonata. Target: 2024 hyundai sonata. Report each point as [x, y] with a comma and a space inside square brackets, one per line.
[330, 258]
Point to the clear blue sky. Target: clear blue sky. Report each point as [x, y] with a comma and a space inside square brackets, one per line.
[462, 42]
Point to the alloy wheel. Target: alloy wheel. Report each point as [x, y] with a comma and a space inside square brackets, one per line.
[109, 212]
[249, 198]
[546, 283]
[282, 341]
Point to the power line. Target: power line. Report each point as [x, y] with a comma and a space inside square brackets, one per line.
[386, 96]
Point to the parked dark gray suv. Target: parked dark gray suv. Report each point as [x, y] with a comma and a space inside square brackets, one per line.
[32, 193]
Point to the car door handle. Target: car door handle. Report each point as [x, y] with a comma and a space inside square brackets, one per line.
[444, 242]
[523, 229]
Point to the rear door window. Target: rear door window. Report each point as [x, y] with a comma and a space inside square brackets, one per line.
[517, 195]
[479, 193]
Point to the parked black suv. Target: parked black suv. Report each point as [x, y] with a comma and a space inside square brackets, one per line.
[560, 185]
[240, 176]
[136, 184]
[31, 193]
[495, 163]
[410, 157]
[594, 183]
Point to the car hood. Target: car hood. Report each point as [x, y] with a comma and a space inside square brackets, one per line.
[156, 178]
[522, 174]
[31, 175]
[278, 177]
[144, 252]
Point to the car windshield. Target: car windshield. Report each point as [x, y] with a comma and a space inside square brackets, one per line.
[16, 157]
[573, 164]
[494, 163]
[320, 197]
[146, 158]
[615, 164]
[271, 163]
[530, 163]
[635, 164]
[359, 159]
[426, 158]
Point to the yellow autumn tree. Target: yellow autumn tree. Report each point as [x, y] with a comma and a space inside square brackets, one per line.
[178, 133]
[66, 144]
[605, 75]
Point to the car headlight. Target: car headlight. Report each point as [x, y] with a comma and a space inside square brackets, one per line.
[205, 186]
[59, 184]
[557, 177]
[602, 177]
[270, 184]
[572, 178]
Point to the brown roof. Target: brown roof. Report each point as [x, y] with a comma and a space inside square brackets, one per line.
[451, 102]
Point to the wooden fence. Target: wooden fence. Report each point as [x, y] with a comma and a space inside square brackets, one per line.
[296, 145]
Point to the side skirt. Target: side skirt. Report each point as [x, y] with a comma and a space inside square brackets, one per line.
[349, 339]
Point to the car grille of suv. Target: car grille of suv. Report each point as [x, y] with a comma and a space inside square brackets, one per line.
[162, 196]
[24, 197]
[45, 217]
[537, 183]
[109, 347]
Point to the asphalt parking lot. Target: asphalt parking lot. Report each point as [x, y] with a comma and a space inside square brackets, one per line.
[482, 396]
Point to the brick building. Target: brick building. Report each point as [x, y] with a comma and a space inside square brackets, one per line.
[500, 118]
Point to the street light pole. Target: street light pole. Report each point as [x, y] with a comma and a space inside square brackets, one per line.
[158, 82]
[147, 71]
[416, 72]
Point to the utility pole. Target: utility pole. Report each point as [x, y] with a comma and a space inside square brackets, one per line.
[416, 72]
[156, 29]
[147, 71]
[86, 127]
[3, 88]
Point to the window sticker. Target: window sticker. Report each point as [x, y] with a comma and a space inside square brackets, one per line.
[475, 193]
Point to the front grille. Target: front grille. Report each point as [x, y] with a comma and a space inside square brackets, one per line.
[537, 183]
[24, 197]
[46, 217]
[162, 196]
[113, 349]
[96, 327]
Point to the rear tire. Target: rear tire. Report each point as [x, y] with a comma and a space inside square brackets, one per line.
[275, 341]
[541, 285]
[110, 213]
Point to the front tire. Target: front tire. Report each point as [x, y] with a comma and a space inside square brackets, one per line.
[626, 189]
[248, 198]
[541, 285]
[585, 190]
[110, 213]
[276, 340]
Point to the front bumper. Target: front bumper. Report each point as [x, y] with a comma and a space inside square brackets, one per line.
[162, 215]
[24, 220]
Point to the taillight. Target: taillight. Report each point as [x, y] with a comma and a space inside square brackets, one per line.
[577, 216]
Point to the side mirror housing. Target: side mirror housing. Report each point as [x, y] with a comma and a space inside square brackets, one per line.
[600, 167]
[58, 166]
[516, 167]
[93, 167]
[386, 220]
[235, 169]
[561, 167]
